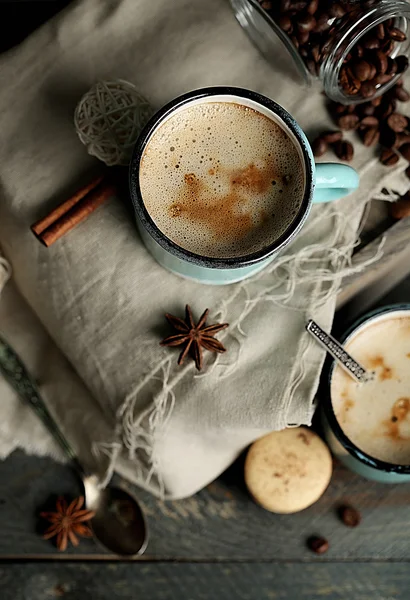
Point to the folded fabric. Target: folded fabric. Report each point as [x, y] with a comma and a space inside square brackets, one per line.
[120, 398]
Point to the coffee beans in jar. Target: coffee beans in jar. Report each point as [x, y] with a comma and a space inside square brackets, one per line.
[357, 49]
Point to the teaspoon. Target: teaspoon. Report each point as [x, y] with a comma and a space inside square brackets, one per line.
[343, 358]
[119, 523]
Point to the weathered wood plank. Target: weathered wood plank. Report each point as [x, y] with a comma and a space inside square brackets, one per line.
[230, 581]
[221, 522]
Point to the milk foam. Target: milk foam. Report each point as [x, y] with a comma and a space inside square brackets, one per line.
[221, 179]
[376, 415]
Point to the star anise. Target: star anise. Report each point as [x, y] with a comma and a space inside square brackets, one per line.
[67, 521]
[194, 337]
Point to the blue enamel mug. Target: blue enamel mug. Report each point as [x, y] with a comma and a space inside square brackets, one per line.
[345, 449]
[322, 183]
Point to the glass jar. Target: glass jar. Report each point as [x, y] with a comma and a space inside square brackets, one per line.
[323, 39]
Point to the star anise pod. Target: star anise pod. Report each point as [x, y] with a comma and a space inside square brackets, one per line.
[194, 337]
[67, 522]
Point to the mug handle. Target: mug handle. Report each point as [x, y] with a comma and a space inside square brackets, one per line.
[334, 181]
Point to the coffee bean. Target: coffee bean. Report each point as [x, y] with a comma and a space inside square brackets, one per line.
[371, 136]
[347, 122]
[385, 109]
[397, 122]
[381, 79]
[402, 138]
[319, 545]
[400, 82]
[371, 43]
[401, 94]
[339, 109]
[285, 5]
[332, 136]
[366, 109]
[361, 70]
[376, 101]
[401, 208]
[323, 23]
[303, 37]
[389, 157]
[312, 7]
[380, 31]
[369, 121]
[367, 89]
[285, 23]
[402, 63]
[306, 22]
[315, 52]
[396, 34]
[336, 10]
[388, 47]
[319, 146]
[350, 516]
[380, 61]
[373, 72]
[344, 150]
[405, 151]
[298, 5]
[391, 66]
[295, 41]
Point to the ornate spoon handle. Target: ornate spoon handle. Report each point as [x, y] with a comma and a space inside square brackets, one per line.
[346, 361]
[18, 377]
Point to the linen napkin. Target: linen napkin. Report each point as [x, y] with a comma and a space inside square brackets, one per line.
[91, 311]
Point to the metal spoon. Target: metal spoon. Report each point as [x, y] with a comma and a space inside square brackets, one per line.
[119, 523]
[347, 362]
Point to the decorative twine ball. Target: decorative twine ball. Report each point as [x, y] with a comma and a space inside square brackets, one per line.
[108, 120]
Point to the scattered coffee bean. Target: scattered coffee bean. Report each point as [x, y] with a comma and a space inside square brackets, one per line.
[396, 34]
[331, 137]
[402, 63]
[371, 136]
[401, 94]
[319, 146]
[344, 150]
[369, 121]
[347, 122]
[397, 122]
[350, 516]
[401, 208]
[389, 157]
[319, 545]
[376, 101]
[366, 109]
[405, 151]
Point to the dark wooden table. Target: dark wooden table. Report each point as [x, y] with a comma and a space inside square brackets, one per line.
[217, 544]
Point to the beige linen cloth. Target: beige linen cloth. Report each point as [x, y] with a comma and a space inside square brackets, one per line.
[87, 314]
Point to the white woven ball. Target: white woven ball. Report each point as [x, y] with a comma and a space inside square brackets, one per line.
[108, 120]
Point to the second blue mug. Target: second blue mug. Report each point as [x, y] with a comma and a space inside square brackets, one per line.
[323, 182]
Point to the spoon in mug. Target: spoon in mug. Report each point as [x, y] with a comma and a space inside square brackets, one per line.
[119, 523]
[343, 358]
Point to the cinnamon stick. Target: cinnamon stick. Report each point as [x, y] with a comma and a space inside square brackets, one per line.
[58, 212]
[78, 212]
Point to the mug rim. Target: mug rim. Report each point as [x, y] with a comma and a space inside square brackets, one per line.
[217, 262]
[346, 442]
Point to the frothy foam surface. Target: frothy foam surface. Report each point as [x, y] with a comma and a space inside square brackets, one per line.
[221, 180]
[376, 415]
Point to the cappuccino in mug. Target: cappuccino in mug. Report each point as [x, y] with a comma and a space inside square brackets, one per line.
[375, 415]
[221, 179]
